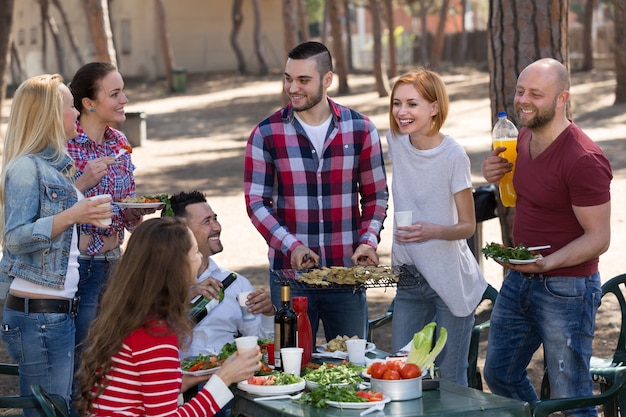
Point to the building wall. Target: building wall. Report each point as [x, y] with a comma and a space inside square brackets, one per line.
[199, 37]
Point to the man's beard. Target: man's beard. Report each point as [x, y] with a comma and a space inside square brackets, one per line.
[542, 118]
[312, 102]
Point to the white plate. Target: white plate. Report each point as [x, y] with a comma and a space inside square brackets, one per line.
[140, 205]
[322, 353]
[366, 404]
[202, 371]
[519, 261]
[265, 390]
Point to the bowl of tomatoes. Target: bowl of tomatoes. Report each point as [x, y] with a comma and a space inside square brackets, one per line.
[396, 379]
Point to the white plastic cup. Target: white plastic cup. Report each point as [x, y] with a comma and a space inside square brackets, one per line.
[245, 343]
[291, 360]
[242, 297]
[356, 350]
[105, 220]
[403, 219]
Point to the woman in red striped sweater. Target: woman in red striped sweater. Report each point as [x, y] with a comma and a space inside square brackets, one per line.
[131, 364]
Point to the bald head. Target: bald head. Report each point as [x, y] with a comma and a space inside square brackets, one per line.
[550, 70]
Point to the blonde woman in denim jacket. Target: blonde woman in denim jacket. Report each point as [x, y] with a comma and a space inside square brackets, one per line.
[39, 207]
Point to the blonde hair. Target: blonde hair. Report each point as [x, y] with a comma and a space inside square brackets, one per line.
[432, 88]
[35, 123]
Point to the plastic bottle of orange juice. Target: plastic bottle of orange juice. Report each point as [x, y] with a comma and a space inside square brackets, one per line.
[504, 133]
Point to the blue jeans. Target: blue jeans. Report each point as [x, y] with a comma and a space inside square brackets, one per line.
[42, 344]
[94, 274]
[417, 306]
[342, 311]
[559, 312]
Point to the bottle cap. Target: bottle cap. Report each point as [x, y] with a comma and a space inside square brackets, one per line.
[501, 114]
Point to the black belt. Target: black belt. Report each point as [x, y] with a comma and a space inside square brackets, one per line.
[532, 276]
[40, 305]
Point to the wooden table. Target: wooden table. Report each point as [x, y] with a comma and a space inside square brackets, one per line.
[449, 400]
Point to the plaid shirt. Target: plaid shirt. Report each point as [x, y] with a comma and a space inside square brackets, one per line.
[119, 181]
[331, 202]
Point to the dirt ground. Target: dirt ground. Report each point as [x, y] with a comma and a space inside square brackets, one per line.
[196, 140]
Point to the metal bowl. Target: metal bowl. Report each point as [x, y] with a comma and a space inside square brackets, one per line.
[399, 389]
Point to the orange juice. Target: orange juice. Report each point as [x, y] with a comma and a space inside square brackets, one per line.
[507, 192]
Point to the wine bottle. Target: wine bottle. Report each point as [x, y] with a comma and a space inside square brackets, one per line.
[201, 306]
[285, 326]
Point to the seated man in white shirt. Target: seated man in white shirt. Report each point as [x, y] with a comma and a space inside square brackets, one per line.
[225, 322]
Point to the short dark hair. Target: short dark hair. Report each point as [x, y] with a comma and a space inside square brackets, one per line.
[315, 50]
[86, 81]
[181, 200]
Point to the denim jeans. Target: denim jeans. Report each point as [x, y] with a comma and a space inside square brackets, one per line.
[94, 274]
[342, 311]
[417, 306]
[557, 311]
[42, 344]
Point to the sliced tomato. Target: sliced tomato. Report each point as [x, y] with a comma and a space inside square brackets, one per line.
[256, 380]
[375, 396]
[196, 367]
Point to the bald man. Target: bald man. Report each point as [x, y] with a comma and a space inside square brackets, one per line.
[562, 179]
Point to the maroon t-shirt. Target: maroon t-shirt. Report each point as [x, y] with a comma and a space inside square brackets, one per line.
[572, 171]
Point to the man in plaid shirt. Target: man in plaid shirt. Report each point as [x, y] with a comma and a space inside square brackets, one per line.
[316, 189]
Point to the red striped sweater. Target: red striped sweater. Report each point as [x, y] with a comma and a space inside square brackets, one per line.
[145, 380]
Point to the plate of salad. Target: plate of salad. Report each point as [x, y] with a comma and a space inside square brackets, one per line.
[277, 383]
[342, 375]
[371, 401]
[342, 397]
[508, 255]
[201, 365]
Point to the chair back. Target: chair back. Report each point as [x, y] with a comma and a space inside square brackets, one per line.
[474, 377]
[617, 287]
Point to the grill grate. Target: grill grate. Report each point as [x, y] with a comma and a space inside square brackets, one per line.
[366, 277]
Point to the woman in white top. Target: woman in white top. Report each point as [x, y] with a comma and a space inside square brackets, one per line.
[431, 178]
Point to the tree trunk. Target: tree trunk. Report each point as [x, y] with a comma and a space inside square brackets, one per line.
[291, 28]
[463, 48]
[304, 23]
[58, 45]
[99, 24]
[17, 68]
[349, 62]
[334, 12]
[237, 17]
[521, 32]
[258, 41]
[590, 6]
[325, 19]
[6, 24]
[70, 34]
[164, 37]
[393, 61]
[437, 49]
[382, 83]
[620, 51]
[43, 11]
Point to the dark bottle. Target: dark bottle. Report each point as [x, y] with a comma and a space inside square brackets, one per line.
[305, 334]
[201, 306]
[285, 326]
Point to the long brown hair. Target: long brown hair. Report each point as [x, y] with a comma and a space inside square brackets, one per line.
[151, 281]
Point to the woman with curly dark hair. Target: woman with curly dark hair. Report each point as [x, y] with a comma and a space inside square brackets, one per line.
[131, 363]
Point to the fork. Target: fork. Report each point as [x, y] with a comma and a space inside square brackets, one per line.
[279, 397]
[376, 407]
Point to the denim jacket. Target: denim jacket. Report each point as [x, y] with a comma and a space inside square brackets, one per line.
[36, 190]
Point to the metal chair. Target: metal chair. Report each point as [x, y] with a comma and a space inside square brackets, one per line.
[544, 408]
[375, 323]
[50, 405]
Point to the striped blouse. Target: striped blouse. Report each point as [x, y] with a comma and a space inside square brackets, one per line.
[145, 380]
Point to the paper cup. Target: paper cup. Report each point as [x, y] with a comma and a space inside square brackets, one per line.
[246, 343]
[291, 360]
[242, 297]
[105, 220]
[356, 350]
[403, 218]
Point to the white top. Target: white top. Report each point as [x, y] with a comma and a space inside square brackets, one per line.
[316, 134]
[225, 321]
[72, 275]
[425, 181]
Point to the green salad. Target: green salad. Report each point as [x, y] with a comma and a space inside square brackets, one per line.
[505, 254]
[319, 395]
[328, 374]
